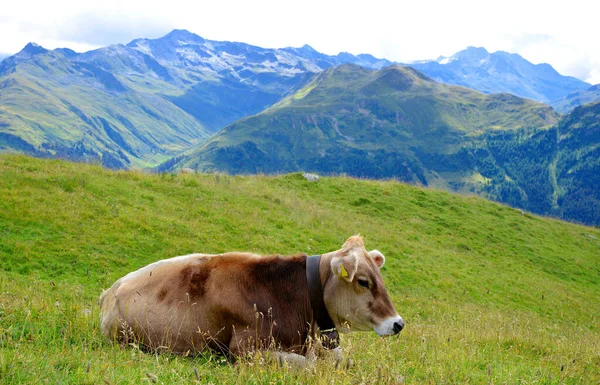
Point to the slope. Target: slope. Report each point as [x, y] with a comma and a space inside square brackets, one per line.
[489, 295]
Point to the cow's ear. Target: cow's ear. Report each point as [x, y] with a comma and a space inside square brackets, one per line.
[377, 257]
[345, 267]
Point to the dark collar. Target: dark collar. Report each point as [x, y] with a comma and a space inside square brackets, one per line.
[329, 335]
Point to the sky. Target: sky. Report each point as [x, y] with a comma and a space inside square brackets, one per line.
[561, 33]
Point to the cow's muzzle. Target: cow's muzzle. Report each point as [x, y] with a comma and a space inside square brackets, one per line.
[390, 326]
[398, 326]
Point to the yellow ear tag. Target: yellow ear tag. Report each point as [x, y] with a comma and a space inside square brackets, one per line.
[344, 272]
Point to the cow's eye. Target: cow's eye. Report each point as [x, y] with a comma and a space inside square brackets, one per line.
[363, 283]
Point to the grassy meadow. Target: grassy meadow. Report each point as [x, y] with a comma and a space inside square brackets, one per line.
[489, 295]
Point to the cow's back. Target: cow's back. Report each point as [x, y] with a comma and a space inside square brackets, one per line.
[190, 302]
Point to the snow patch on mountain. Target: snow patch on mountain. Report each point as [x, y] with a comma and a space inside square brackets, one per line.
[446, 60]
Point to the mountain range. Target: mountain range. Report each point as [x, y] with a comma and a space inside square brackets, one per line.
[139, 104]
[501, 71]
[185, 101]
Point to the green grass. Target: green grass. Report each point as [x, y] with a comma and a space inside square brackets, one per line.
[489, 295]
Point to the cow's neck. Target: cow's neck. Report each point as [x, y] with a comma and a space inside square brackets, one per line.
[317, 273]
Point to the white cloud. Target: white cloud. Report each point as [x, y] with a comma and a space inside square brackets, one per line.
[559, 33]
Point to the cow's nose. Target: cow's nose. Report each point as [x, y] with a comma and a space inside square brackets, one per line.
[398, 326]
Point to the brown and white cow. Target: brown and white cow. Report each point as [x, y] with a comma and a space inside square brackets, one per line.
[235, 302]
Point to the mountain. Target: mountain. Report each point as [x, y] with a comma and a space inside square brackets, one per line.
[216, 82]
[391, 123]
[577, 98]
[500, 71]
[54, 106]
[138, 104]
[226, 81]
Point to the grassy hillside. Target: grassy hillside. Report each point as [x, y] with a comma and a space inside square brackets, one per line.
[489, 295]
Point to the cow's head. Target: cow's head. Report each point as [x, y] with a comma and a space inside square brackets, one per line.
[355, 294]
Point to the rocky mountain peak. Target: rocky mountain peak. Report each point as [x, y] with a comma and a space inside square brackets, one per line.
[183, 35]
[32, 49]
[472, 54]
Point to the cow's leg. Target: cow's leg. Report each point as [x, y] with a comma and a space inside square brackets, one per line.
[295, 361]
[244, 342]
[336, 354]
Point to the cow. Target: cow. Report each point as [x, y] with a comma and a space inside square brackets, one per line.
[236, 302]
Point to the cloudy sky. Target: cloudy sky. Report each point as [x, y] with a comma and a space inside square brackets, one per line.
[561, 33]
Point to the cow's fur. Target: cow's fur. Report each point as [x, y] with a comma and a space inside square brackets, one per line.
[236, 302]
